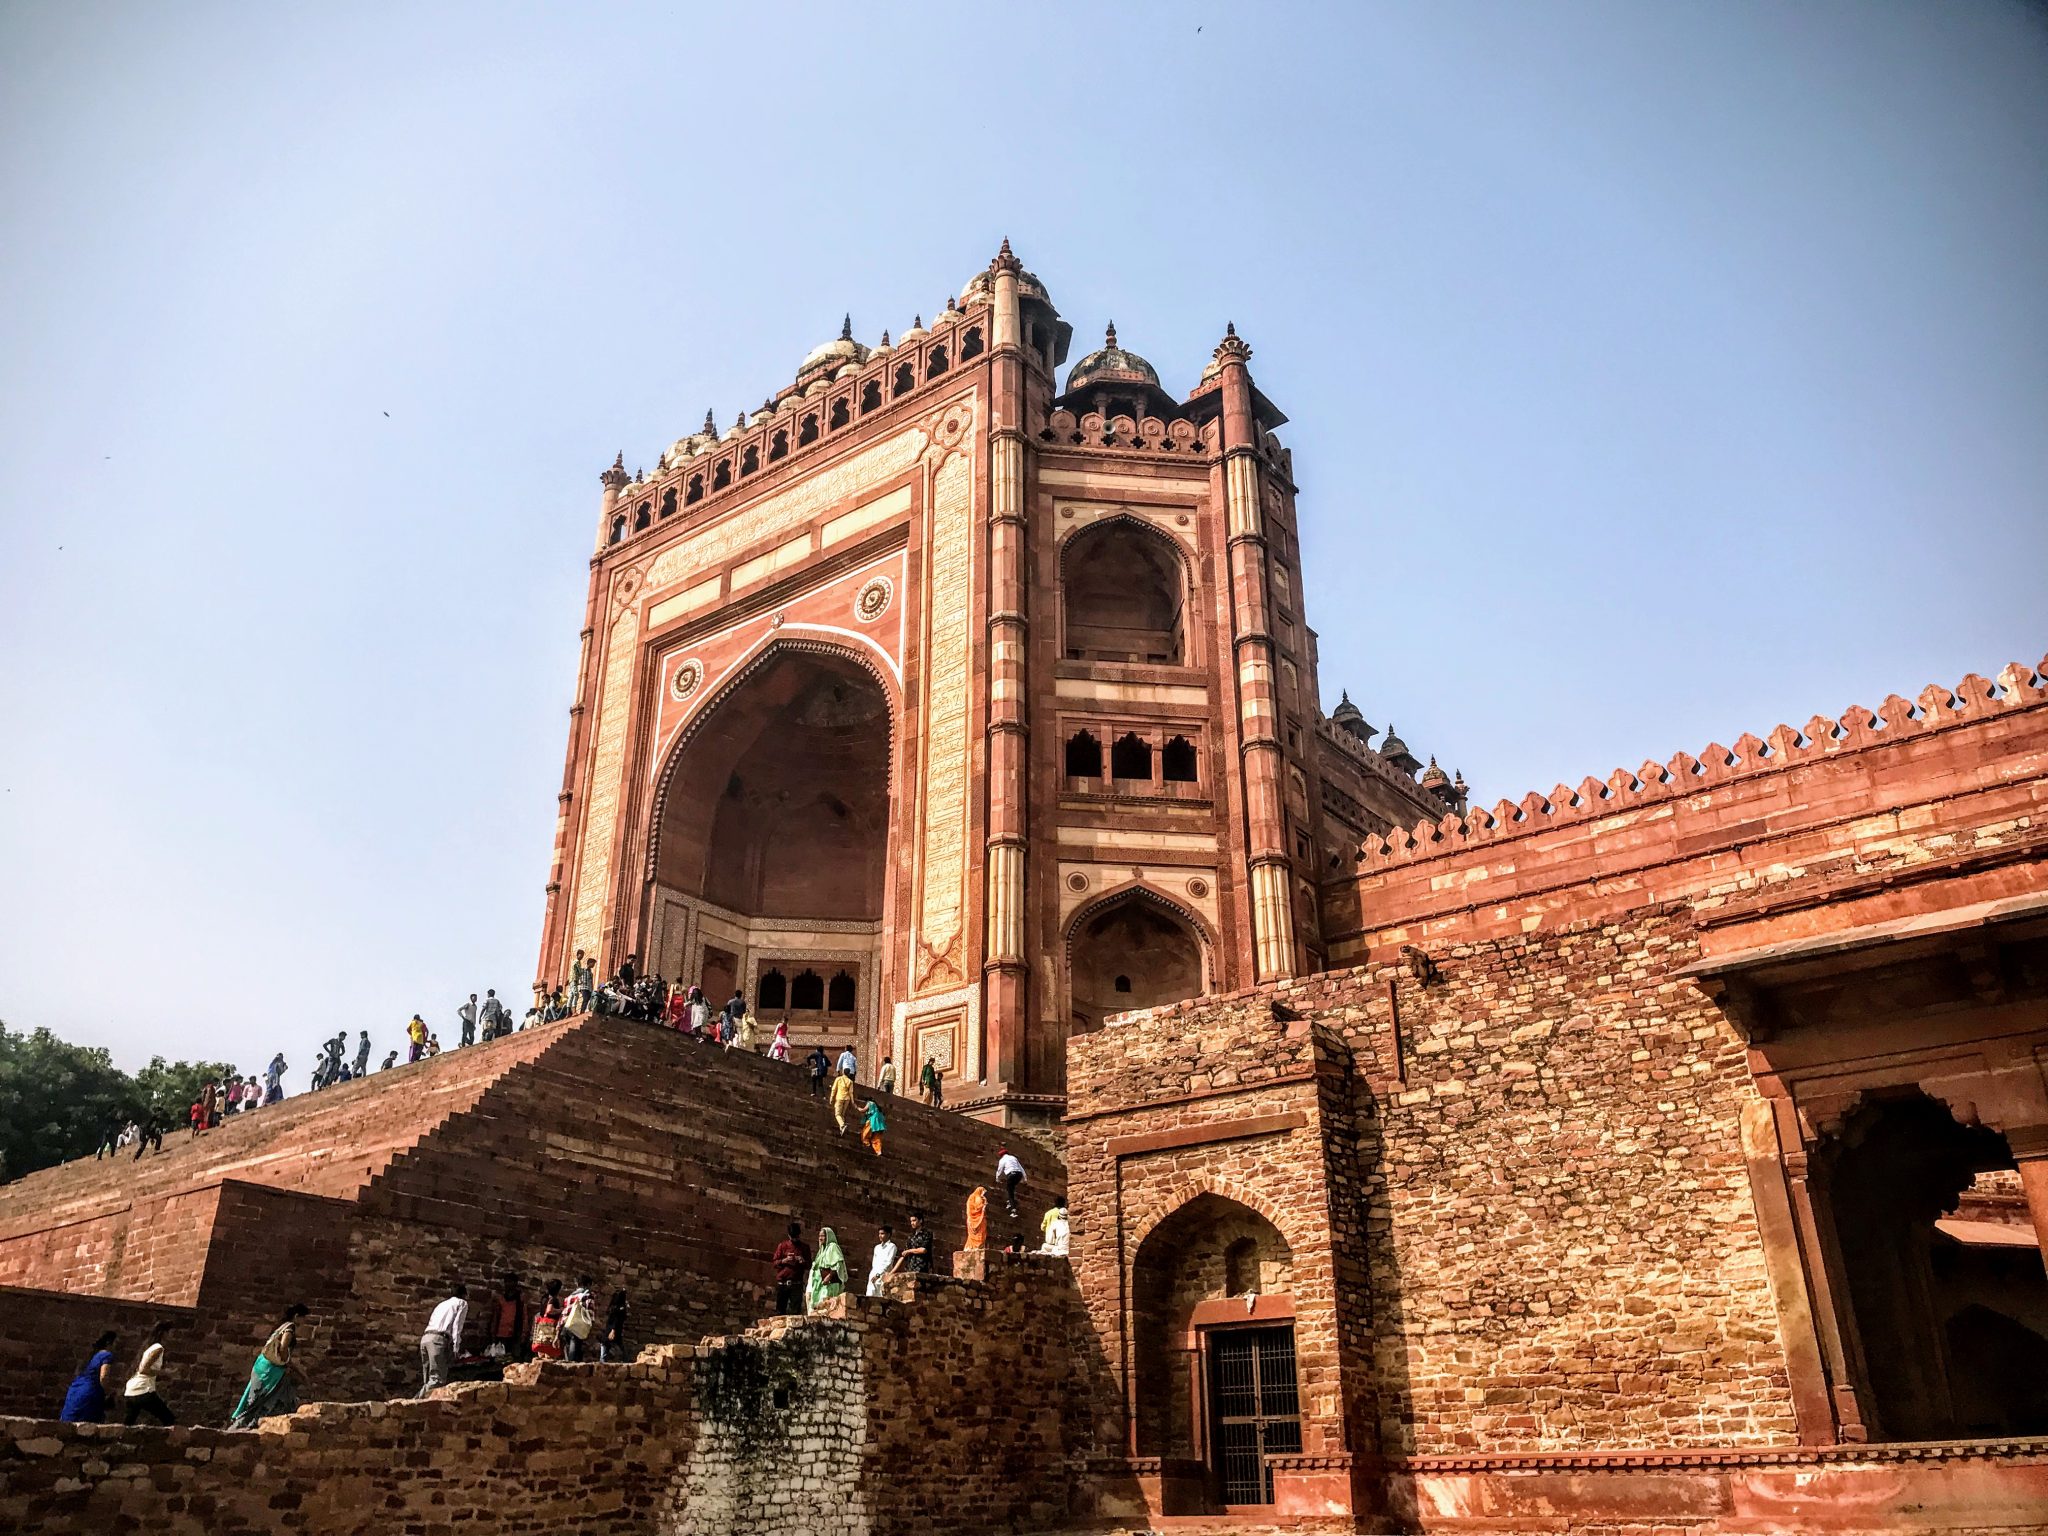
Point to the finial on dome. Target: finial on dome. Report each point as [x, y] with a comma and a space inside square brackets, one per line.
[917, 322]
[1006, 261]
[1109, 334]
[710, 422]
[846, 327]
[885, 339]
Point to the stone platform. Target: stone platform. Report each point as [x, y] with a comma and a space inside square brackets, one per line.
[595, 1145]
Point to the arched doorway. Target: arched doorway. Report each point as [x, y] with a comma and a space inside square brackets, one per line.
[1941, 1280]
[1132, 951]
[1123, 595]
[772, 850]
[1212, 1312]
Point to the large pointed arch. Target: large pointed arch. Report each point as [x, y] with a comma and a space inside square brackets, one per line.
[775, 647]
[1092, 988]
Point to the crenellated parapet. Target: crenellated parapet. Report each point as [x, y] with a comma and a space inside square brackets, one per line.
[2018, 685]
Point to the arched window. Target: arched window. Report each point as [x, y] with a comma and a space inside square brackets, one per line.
[695, 490]
[807, 992]
[668, 502]
[906, 380]
[1084, 756]
[721, 477]
[807, 429]
[1130, 758]
[935, 363]
[1123, 599]
[1177, 760]
[772, 991]
[778, 448]
[870, 396]
[1123, 983]
[750, 461]
[970, 344]
[618, 529]
[839, 996]
[643, 515]
[841, 413]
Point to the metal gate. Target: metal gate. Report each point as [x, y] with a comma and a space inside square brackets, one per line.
[1255, 1408]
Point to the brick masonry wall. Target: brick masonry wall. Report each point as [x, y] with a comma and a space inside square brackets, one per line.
[559, 1451]
[1555, 1242]
[942, 1407]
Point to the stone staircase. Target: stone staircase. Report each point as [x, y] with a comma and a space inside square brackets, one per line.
[331, 1143]
[672, 1145]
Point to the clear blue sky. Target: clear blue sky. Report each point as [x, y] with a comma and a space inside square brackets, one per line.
[1657, 372]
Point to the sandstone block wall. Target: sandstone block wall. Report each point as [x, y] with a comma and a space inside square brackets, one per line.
[1919, 807]
[560, 1451]
[943, 1407]
[1549, 1220]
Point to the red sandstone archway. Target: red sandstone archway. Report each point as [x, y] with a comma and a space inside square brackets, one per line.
[1132, 948]
[1211, 1322]
[771, 836]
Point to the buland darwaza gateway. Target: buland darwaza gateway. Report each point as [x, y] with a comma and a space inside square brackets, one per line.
[951, 710]
[1662, 1154]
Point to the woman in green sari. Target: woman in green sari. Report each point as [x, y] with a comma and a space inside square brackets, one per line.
[273, 1383]
[828, 1271]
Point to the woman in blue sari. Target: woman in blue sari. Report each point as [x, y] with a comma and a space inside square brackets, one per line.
[273, 1384]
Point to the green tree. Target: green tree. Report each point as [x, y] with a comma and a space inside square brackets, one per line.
[57, 1100]
[168, 1088]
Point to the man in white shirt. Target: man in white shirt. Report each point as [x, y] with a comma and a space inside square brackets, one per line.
[1009, 1174]
[883, 1261]
[847, 1063]
[467, 1013]
[440, 1342]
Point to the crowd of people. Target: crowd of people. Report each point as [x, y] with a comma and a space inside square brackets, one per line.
[627, 994]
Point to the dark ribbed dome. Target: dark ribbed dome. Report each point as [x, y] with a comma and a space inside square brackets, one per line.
[1112, 365]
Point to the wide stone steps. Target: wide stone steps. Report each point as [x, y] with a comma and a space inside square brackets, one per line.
[328, 1143]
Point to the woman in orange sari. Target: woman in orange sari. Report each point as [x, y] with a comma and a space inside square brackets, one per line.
[977, 1218]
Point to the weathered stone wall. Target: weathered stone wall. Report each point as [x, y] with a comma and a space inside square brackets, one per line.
[945, 1406]
[1557, 1242]
[557, 1451]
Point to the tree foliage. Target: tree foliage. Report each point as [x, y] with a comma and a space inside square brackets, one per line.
[59, 1101]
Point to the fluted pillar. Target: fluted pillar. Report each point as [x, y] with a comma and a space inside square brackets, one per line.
[1272, 902]
[1004, 966]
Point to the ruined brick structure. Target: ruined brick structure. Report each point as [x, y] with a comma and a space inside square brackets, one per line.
[1695, 1115]
[944, 706]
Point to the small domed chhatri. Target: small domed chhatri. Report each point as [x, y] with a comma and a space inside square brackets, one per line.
[1111, 364]
[827, 360]
[1116, 382]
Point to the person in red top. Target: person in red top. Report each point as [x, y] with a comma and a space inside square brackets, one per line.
[508, 1323]
[792, 1261]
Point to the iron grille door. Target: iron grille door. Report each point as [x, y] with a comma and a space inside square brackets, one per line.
[1257, 1408]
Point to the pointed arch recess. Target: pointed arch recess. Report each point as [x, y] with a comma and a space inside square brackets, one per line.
[765, 655]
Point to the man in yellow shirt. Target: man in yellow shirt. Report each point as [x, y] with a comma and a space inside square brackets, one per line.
[842, 1101]
[416, 1032]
